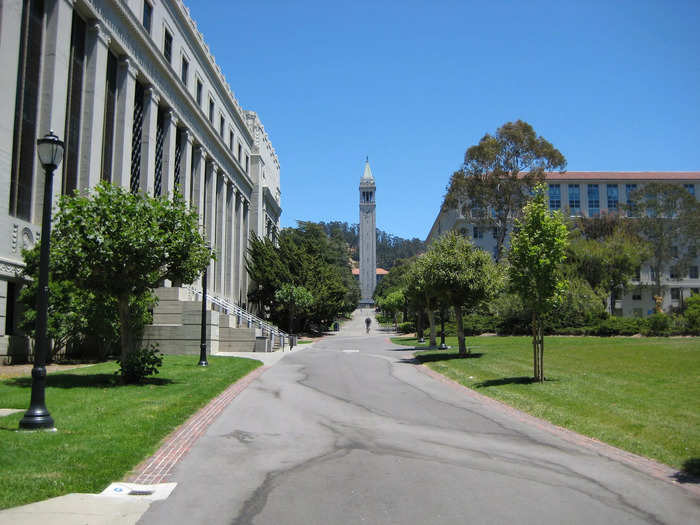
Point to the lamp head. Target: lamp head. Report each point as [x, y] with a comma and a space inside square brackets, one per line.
[50, 150]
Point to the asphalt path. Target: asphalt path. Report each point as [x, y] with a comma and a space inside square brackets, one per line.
[351, 431]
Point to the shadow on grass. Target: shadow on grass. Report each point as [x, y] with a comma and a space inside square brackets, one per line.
[446, 356]
[84, 381]
[690, 473]
[522, 380]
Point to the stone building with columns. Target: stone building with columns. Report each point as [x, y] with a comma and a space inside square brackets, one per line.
[133, 90]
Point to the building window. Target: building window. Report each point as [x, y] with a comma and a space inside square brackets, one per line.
[694, 291]
[554, 197]
[574, 199]
[110, 112]
[593, 200]
[147, 15]
[637, 312]
[675, 294]
[136, 134]
[629, 189]
[494, 232]
[26, 106]
[230, 140]
[638, 273]
[673, 273]
[211, 110]
[76, 67]
[184, 70]
[160, 138]
[221, 126]
[239, 153]
[693, 272]
[247, 164]
[652, 273]
[168, 46]
[613, 196]
[199, 93]
[478, 233]
[690, 188]
[637, 296]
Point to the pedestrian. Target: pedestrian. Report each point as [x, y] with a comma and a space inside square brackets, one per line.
[368, 322]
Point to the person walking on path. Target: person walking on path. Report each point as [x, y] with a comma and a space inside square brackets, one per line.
[368, 322]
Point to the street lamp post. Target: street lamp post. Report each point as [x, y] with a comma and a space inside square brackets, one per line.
[37, 417]
[203, 337]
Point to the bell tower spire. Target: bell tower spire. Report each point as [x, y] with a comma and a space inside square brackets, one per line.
[368, 237]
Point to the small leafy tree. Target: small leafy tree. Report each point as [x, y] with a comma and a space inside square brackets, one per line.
[498, 174]
[121, 245]
[294, 299]
[393, 304]
[463, 274]
[421, 294]
[537, 250]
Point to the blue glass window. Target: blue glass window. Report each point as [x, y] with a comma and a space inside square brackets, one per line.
[690, 188]
[613, 196]
[629, 189]
[554, 197]
[593, 200]
[574, 199]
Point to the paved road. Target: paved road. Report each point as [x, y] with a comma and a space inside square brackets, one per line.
[349, 431]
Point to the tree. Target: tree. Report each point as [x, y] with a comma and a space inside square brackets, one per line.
[463, 274]
[121, 245]
[537, 251]
[419, 294]
[608, 262]
[667, 216]
[393, 304]
[295, 299]
[498, 175]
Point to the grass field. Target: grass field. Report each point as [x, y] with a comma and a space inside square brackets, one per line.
[104, 429]
[638, 394]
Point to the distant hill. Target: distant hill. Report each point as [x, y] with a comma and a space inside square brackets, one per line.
[390, 248]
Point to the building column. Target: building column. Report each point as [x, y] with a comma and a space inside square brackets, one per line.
[238, 221]
[93, 114]
[219, 224]
[148, 141]
[210, 207]
[228, 265]
[185, 164]
[54, 84]
[124, 121]
[168, 176]
[244, 250]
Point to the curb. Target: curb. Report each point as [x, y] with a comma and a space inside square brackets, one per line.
[157, 468]
[640, 463]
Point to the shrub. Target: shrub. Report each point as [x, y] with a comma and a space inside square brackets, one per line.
[618, 326]
[657, 324]
[692, 314]
[140, 363]
[407, 327]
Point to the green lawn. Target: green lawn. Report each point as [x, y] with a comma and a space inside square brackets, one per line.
[104, 429]
[639, 394]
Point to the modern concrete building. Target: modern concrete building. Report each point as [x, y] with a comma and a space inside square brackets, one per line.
[134, 91]
[590, 194]
[368, 237]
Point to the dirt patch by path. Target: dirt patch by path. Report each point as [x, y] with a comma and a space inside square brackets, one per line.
[8, 371]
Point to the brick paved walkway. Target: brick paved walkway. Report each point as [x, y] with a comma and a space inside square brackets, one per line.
[157, 468]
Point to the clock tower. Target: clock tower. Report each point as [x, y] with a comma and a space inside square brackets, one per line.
[368, 237]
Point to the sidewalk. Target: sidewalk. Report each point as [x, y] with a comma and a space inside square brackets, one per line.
[123, 503]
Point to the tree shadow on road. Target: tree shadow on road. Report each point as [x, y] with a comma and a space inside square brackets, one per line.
[690, 473]
[446, 356]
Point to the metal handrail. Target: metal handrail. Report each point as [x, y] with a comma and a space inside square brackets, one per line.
[242, 314]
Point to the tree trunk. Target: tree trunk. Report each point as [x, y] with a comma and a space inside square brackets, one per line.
[124, 325]
[541, 352]
[419, 325]
[460, 331]
[535, 349]
[431, 320]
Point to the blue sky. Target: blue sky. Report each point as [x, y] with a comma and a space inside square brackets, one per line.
[613, 85]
